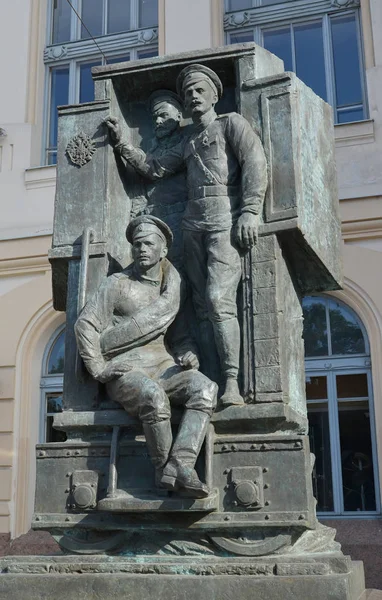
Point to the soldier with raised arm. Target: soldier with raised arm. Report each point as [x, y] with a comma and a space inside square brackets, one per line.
[226, 183]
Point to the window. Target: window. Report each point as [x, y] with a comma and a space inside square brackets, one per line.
[51, 387]
[340, 408]
[123, 30]
[320, 42]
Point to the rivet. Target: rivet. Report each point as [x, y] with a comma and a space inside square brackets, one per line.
[37, 519]
[267, 517]
[227, 518]
[68, 453]
[224, 447]
[265, 470]
[67, 518]
[301, 517]
[297, 444]
[255, 481]
[226, 471]
[41, 453]
[267, 503]
[77, 453]
[92, 485]
[73, 506]
[266, 486]
[253, 447]
[233, 447]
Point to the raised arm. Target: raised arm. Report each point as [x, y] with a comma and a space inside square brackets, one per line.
[150, 168]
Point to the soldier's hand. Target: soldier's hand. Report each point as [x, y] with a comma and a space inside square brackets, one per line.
[114, 128]
[110, 372]
[246, 230]
[188, 361]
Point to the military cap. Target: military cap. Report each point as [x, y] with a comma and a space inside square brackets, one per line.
[164, 96]
[194, 73]
[145, 225]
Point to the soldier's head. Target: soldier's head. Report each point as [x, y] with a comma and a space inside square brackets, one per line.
[200, 89]
[150, 239]
[166, 110]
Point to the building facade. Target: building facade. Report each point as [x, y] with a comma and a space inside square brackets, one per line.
[335, 46]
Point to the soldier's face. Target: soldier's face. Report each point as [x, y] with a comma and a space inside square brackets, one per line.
[166, 119]
[199, 98]
[148, 251]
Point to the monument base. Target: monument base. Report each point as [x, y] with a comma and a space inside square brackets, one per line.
[330, 576]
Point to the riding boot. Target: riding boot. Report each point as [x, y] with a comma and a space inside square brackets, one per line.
[179, 473]
[159, 440]
[227, 339]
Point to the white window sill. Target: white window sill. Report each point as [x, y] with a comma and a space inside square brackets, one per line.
[40, 177]
[352, 134]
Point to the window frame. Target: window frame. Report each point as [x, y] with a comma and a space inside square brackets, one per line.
[330, 366]
[258, 19]
[49, 384]
[77, 51]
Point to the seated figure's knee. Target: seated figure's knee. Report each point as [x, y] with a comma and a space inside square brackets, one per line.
[203, 393]
[153, 404]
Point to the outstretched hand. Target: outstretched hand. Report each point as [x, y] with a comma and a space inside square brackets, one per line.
[114, 129]
[246, 230]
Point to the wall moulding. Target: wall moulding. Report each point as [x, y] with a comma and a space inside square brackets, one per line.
[352, 134]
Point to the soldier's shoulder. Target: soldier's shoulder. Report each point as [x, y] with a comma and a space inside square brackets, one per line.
[231, 117]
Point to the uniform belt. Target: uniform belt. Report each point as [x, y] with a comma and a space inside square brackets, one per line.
[204, 191]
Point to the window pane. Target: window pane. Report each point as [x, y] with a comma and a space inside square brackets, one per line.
[347, 337]
[52, 158]
[239, 4]
[241, 38]
[147, 53]
[315, 329]
[118, 18]
[278, 41]
[148, 13]
[59, 95]
[86, 82]
[316, 388]
[53, 403]
[92, 17]
[356, 457]
[117, 59]
[57, 356]
[352, 386]
[320, 446]
[310, 64]
[61, 21]
[52, 435]
[349, 115]
[346, 61]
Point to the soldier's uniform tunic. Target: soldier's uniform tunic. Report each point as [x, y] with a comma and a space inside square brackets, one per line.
[226, 177]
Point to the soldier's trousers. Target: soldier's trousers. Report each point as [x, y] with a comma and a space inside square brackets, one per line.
[213, 267]
[149, 398]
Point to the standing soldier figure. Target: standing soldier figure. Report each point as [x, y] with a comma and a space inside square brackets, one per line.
[226, 182]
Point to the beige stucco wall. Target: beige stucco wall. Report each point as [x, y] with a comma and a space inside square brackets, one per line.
[27, 319]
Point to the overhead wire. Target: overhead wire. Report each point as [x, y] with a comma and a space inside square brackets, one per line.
[83, 24]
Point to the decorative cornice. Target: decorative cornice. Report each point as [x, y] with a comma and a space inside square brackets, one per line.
[237, 19]
[366, 229]
[288, 10]
[109, 44]
[346, 3]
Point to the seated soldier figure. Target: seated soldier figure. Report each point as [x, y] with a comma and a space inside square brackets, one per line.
[120, 335]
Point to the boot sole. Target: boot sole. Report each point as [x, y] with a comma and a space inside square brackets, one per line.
[169, 483]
